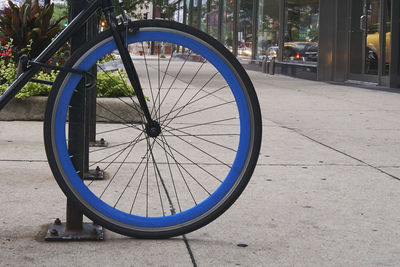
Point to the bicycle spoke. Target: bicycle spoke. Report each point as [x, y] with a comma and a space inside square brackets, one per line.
[158, 97]
[157, 172]
[202, 124]
[201, 110]
[178, 165]
[113, 130]
[119, 168]
[109, 147]
[191, 176]
[141, 179]
[130, 180]
[196, 164]
[192, 102]
[170, 172]
[204, 152]
[148, 76]
[187, 86]
[198, 137]
[175, 78]
[123, 149]
[158, 187]
[118, 116]
[117, 84]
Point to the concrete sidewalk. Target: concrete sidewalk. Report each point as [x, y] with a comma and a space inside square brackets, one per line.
[325, 192]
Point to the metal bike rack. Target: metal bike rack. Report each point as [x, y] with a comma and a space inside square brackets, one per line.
[97, 173]
[74, 229]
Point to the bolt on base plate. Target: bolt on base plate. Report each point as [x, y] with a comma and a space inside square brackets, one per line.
[89, 232]
[99, 143]
[96, 174]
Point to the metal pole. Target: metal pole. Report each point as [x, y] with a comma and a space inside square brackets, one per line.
[92, 30]
[97, 173]
[78, 146]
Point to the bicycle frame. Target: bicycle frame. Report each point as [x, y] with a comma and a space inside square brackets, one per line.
[108, 9]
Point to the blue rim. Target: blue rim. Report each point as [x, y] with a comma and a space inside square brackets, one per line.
[187, 215]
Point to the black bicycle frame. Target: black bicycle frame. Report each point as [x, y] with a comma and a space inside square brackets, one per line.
[64, 36]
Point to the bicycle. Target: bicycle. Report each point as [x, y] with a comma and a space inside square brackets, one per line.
[178, 158]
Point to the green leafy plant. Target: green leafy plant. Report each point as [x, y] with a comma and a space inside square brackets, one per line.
[8, 73]
[28, 25]
[112, 84]
[109, 84]
[107, 58]
[27, 29]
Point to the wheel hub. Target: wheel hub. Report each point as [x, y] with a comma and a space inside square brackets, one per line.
[153, 129]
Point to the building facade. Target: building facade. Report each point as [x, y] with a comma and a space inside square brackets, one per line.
[328, 40]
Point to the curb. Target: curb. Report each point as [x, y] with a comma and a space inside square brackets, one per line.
[33, 109]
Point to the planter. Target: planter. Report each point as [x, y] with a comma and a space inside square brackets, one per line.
[30, 109]
[33, 108]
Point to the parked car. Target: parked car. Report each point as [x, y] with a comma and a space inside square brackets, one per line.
[244, 51]
[291, 51]
[272, 52]
[310, 52]
[294, 51]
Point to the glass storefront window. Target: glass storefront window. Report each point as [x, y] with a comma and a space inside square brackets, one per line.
[268, 29]
[187, 5]
[196, 18]
[178, 14]
[213, 19]
[227, 24]
[203, 18]
[245, 28]
[301, 30]
[301, 27]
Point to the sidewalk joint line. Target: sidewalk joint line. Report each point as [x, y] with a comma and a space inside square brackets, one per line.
[189, 250]
[312, 165]
[23, 160]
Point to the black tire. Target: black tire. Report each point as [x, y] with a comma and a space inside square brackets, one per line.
[68, 185]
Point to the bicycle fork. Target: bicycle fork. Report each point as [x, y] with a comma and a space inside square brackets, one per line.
[153, 128]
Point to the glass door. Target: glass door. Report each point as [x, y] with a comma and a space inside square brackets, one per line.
[368, 20]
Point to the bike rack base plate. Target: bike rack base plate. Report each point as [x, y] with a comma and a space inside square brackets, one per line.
[95, 174]
[89, 232]
[99, 143]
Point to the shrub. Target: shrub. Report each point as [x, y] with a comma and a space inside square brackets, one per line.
[8, 73]
[28, 25]
[111, 84]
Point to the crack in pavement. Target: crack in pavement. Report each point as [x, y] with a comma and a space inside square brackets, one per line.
[189, 250]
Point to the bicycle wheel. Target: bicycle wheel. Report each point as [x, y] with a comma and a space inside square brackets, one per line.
[189, 174]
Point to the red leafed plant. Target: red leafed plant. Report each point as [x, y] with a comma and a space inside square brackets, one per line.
[28, 27]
